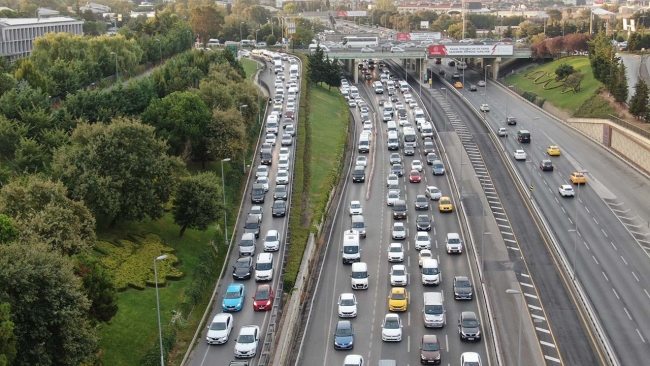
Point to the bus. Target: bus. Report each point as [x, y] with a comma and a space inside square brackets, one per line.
[409, 137]
[360, 42]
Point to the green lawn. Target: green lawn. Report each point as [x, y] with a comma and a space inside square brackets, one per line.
[328, 116]
[250, 67]
[568, 101]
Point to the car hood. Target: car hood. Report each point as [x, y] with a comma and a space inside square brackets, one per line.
[462, 290]
[431, 355]
[245, 347]
[391, 332]
[472, 330]
[232, 302]
[399, 278]
[217, 333]
[398, 302]
[346, 309]
[343, 339]
[241, 271]
[423, 224]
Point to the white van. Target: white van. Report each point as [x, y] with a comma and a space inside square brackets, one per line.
[278, 66]
[430, 272]
[272, 127]
[247, 245]
[351, 249]
[403, 86]
[264, 267]
[426, 130]
[391, 126]
[359, 276]
[213, 42]
[433, 311]
[453, 243]
[353, 360]
[419, 114]
[390, 85]
[364, 143]
[378, 87]
[393, 139]
[294, 70]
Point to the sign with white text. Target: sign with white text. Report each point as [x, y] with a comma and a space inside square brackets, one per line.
[421, 36]
[471, 50]
[424, 24]
[342, 13]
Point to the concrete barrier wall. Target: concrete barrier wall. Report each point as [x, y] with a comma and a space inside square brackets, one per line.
[591, 129]
[636, 152]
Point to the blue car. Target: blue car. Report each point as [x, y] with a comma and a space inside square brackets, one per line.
[344, 335]
[233, 300]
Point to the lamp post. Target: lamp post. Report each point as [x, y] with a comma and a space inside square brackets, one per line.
[575, 242]
[159, 48]
[116, 72]
[225, 212]
[240, 108]
[485, 90]
[189, 33]
[530, 182]
[240, 34]
[521, 315]
[155, 272]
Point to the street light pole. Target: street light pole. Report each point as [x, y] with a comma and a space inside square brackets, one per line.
[116, 72]
[486, 72]
[521, 315]
[160, 48]
[155, 271]
[240, 34]
[225, 212]
[240, 108]
[575, 242]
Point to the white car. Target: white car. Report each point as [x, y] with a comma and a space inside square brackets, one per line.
[398, 275]
[247, 341]
[263, 181]
[391, 328]
[466, 40]
[412, 103]
[432, 193]
[284, 153]
[502, 131]
[220, 328]
[407, 97]
[481, 83]
[416, 165]
[484, 107]
[282, 177]
[347, 305]
[422, 240]
[396, 50]
[392, 179]
[391, 197]
[278, 84]
[367, 126]
[291, 107]
[272, 241]
[362, 161]
[424, 254]
[402, 121]
[283, 164]
[399, 105]
[352, 103]
[470, 359]
[356, 208]
[396, 252]
[367, 50]
[399, 231]
[519, 155]
[566, 191]
[262, 171]
[290, 130]
[270, 139]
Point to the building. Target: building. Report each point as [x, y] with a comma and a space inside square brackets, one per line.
[17, 34]
[95, 8]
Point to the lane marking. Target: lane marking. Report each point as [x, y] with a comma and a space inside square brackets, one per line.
[605, 276]
[547, 344]
[637, 278]
[543, 330]
[538, 317]
[525, 275]
[529, 295]
[624, 261]
[535, 307]
[640, 336]
[526, 284]
[615, 293]
[552, 359]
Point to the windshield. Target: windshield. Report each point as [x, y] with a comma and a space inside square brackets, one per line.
[454, 241]
[245, 338]
[430, 271]
[281, 189]
[264, 266]
[241, 264]
[398, 272]
[437, 166]
[262, 295]
[343, 332]
[357, 225]
[258, 190]
[422, 238]
[350, 249]
[430, 347]
[271, 238]
[433, 309]
[251, 225]
[470, 323]
[232, 295]
[218, 326]
[423, 220]
[395, 249]
[356, 205]
[398, 296]
[347, 302]
[279, 205]
[398, 228]
[463, 284]
[359, 275]
[246, 243]
[399, 208]
[391, 324]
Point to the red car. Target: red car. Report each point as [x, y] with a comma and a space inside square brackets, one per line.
[414, 176]
[289, 115]
[263, 299]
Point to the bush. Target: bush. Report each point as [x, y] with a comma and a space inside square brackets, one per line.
[595, 107]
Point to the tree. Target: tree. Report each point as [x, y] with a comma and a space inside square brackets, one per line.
[456, 30]
[26, 70]
[197, 203]
[563, 71]
[119, 170]
[7, 336]
[333, 73]
[555, 45]
[554, 14]
[30, 156]
[271, 40]
[639, 102]
[11, 132]
[316, 66]
[573, 81]
[290, 8]
[43, 213]
[8, 231]
[206, 20]
[527, 29]
[48, 308]
[224, 137]
[97, 285]
[618, 85]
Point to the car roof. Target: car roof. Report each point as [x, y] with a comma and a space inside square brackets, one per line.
[347, 295]
[468, 315]
[396, 245]
[470, 356]
[461, 278]
[221, 317]
[272, 232]
[248, 329]
[399, 266]
[234, 287]
[398, 290]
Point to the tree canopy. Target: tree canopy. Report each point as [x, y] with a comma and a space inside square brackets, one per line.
[198, 202]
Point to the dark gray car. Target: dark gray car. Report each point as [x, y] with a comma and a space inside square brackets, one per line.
[252, 225]
[397, 169]
[279, 208]
[438, 167]
[469, 327]
[428, 148]
[257, 193]
[421, 202]
[243, 268]
[431, 157]
[462, 288]
[280, 192]
[359, 174]
[423, 223]
[409, 150]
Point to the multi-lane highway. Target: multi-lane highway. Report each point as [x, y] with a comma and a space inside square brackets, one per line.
[609, 252]
[213, 355]
[318, 343]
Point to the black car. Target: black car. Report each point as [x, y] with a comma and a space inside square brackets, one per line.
[394, 98]
[473, 88]
[409, 150]
[359, 174]
[423, 223]
[462, 288]
[441, 72]
[382, 101]
[252, 225]
[421, 202]
[279, 208]
[280, 192]
[243, 268]
[428, 148]
[546, 165]
[455, 75]
[469, 327]
[397, 169]
[431, 157]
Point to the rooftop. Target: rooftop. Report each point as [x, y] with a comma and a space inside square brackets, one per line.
[28, 21]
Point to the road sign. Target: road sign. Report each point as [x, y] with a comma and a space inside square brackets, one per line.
[343, 13]
[471, 50]
[291, 28]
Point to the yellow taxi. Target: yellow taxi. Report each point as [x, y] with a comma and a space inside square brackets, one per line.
[578, 178]
[445, 205]
[458, 85]
[398, 300]
[553, 150]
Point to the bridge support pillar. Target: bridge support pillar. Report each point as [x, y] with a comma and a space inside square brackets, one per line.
[493, 71]
[355, 71]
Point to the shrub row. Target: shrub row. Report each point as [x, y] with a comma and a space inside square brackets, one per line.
[595, 107]
[152, 357]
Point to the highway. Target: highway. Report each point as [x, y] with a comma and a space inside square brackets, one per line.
[217, 355]
[610, 252]
[317, 345]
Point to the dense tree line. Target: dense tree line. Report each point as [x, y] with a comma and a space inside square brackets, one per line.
[607, 67]
[321, 69]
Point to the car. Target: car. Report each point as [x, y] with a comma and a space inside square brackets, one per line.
[431, 157]
[409, 150]
[266, 147]
[399, 105]
[484, 107]
[399, 231]
[473, 87]
[344, 335]
[428, 147]
[458, 85]
[391, 328]
[264, 181]
[247, 341]
[393, 98]
[280, 192]
[453, 243]
[553, 150]
[471, 358]
[503, 132]
[367, 50]
[347, 305]
[362, 161]
[415, 176]
[396, 252]
[398, 275]
[578, 178]
[462, 288]
[283, 164]
[546, 164]
[243, 268]
[270, 139]
[438, 167]
[263, 299]
[396, 50]
[272, 241]
[262, 171]
[423, 223]
[353, 360]
[352, 103]
[511, 121]
[421, 202]
[392, 179]
[455, 75]
[398, 299]
[481, 83]
[422, 240]
[519, 155]
[433, 193]
[219, 329]
[252, 225]
[445, 205]
[233, 299]
[257, 210]
[356, 208]
[279, 208]
[282, 177]
[424, 254]
[566, 191]
[430, 350]
[469, 327]
[382, 101]
[402, 121]
[441, 72]
[417, 165]
[395, 158]
[391, 197]
[397, 169]
[284, 153]
[287, 139]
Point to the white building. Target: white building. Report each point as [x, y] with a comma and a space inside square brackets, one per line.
[95, 8]
[17, 34]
